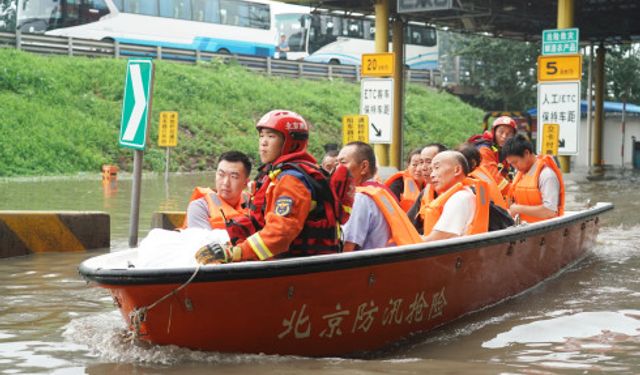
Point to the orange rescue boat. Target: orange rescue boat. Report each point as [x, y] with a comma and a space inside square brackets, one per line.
[343, 303]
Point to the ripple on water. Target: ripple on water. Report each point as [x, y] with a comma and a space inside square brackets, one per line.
[580, 341]
[106, 337]
[560, 329]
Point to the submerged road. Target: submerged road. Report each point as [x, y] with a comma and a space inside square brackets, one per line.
[585, 320]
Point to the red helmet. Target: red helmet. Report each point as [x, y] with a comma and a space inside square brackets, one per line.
[503, 120]
[291, 125]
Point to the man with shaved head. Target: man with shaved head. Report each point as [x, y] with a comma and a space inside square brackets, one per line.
[457, 210]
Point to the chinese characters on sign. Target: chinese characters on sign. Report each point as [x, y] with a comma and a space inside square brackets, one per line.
[168, 129]
[560, 41]
[355, 128]
[560, 68]
[364, 317]
[376, 101]
[549, 139]
[559, 103]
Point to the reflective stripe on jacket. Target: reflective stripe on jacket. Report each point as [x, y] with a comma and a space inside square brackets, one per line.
[432, 209]
[402, 231]
[495, 194]
[410, 190]
[525, 188]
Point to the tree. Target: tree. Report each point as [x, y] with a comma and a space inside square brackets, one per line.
[622, 64]
[503, 71]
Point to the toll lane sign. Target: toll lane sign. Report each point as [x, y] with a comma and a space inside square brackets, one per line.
[168, 129]
[559, 103]
[560, 68]
[355, 128]
[549, 140]
[376, 101]
[377, 64]
[136, 103]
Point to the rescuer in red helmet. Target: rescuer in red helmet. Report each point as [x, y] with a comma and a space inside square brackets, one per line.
[293, 209]
[503, 128]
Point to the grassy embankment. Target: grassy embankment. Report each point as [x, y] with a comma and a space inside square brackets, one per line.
[61, 115]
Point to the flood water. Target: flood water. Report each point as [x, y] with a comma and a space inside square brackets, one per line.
[585, 320]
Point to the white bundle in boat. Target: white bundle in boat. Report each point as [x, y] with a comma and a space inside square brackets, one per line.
[172, 249]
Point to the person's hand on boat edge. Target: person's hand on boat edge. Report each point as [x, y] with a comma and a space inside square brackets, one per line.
[215, 253]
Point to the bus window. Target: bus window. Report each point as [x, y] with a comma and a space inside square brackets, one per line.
[180, 9]
[259, 16]
[206, 11]
[92, 10]
[149, 8]
[421, 35]
[294, 27]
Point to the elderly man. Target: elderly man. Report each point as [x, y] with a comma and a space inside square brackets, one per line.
[376, 217]
[210, 209]
[457, 210]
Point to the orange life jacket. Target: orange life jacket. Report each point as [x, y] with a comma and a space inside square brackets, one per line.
[410, 191]
[480, 173]
[432, 208]
[525, 190]
[402, 231]
[320, 233]
[217, 207]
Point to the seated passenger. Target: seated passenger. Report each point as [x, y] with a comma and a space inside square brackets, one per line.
[457, 210]
[503, 128]
[479, 172]
[426, 155]
[291, 210]
[329, 161]
[210, 209]
[406, 185]
[537, 192]
[376, 217]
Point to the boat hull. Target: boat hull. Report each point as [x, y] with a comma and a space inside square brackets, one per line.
[345, 303]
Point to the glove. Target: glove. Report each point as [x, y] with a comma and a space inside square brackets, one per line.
[214, 253]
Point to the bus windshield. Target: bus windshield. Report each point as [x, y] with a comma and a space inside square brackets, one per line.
[294, 27]
[38, 16]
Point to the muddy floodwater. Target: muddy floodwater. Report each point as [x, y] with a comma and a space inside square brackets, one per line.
[585, 320]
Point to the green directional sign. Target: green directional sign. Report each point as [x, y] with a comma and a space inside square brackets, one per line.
[560, 41]
[136, 103]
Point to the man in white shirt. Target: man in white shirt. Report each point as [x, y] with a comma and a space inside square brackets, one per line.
[452, 212]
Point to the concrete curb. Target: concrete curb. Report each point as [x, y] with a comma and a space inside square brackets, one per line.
[27, 232]
[167, 219]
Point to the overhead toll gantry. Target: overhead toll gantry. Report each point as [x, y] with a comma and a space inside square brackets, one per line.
[599, 22]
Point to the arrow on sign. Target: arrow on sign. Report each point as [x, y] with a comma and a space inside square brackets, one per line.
[377, 131]
[140, 103]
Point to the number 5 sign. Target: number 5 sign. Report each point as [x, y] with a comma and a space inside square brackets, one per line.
[559, 68]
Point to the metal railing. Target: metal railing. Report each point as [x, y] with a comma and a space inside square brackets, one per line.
[55, 45]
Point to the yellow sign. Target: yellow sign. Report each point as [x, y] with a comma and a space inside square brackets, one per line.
[168, 129]
[559, 68]
[550, 134]
[355, 128]
[377, 64]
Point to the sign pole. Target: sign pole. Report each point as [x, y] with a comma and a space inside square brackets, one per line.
[136, 107]
[166, 164]
[135, 198]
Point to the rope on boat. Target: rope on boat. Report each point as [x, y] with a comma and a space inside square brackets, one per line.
[139, 315]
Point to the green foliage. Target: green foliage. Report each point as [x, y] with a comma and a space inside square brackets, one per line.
[622, 64]
[504, 71]
[61, 115]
